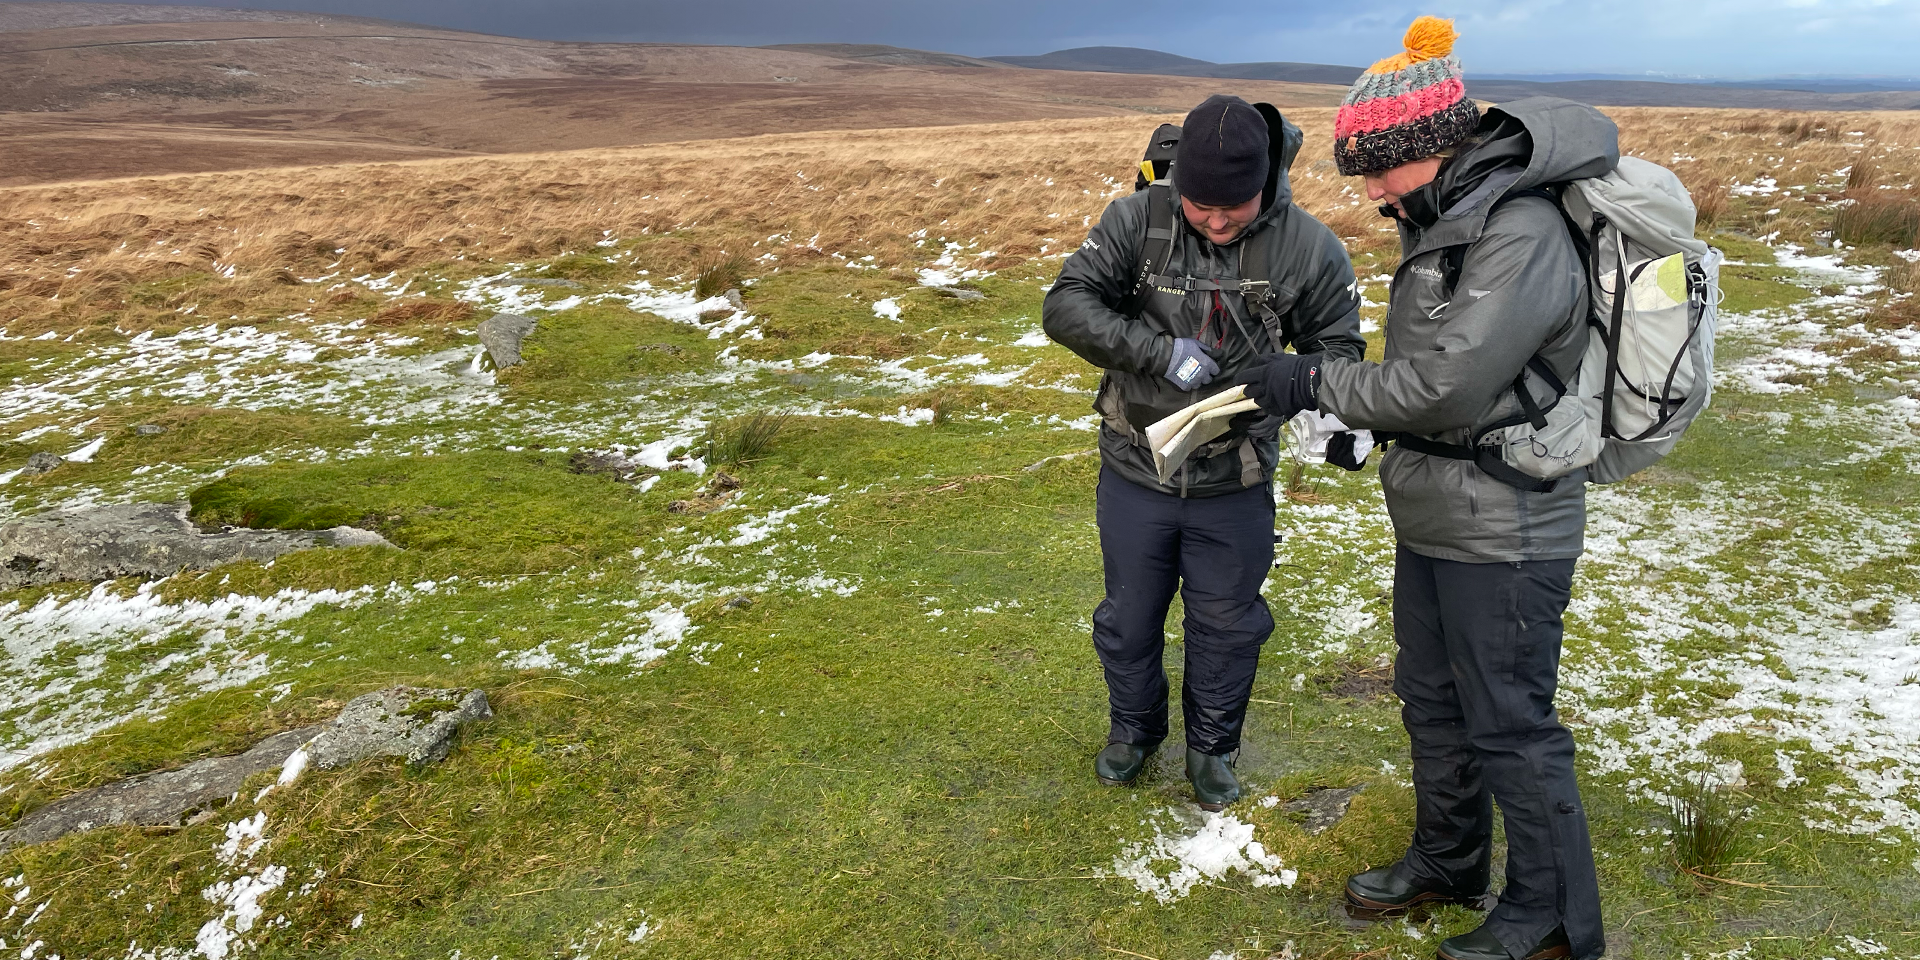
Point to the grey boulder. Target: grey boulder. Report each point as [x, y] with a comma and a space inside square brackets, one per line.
[42, 462]
[143, 540]
[409, 722]
[502, 335]
[156, 799]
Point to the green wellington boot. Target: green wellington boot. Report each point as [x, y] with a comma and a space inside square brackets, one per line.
[1214, 785]
[1481, 945]
[1386, 892]
[1120, 763]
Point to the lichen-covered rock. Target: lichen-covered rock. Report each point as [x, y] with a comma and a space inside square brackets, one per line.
[143, 540]
[156, 799]
[41, 462]
[408, 722]
[416, 724]
[502, 335]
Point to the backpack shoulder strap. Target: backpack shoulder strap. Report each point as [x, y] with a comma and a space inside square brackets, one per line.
[1532, 413]
[1256, 255]
[1156, 247]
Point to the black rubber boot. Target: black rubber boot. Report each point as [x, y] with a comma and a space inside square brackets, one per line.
[1214, 785]
[1481, 944]
[1120, 763]
[1389, 892]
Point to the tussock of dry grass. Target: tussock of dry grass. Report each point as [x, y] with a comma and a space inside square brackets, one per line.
[72, 254]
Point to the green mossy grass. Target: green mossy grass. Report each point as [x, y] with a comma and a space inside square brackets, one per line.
[902, 772]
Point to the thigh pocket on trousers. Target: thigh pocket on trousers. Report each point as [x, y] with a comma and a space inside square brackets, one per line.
[1511, 631]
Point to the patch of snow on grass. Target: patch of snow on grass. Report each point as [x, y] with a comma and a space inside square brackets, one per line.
[910, 417]
[1168, 866]
[60, 684]
[1801, 670]
[760, 528]
[85, 453]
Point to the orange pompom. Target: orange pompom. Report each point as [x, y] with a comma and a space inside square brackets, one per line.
[1427, 39]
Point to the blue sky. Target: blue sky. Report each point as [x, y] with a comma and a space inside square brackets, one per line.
[1725, 38]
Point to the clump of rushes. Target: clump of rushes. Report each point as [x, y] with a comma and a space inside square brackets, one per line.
[1899, 307]
[1709, 205]
[1707, 831]
[1869, 215]
[1862, 175]
[719, 275]
[742, 440]
[1893, 220]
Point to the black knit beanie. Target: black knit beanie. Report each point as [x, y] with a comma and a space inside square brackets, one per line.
[1222, 160]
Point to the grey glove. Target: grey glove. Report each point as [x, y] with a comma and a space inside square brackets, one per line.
[1190, 366]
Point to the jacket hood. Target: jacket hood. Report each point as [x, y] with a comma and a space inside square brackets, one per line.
[1525, 144]
[1283, 147]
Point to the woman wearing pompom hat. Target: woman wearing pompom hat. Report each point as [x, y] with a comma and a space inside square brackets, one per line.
[1490, 289]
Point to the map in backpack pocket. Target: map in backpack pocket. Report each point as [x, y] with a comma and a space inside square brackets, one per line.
[1660, 284]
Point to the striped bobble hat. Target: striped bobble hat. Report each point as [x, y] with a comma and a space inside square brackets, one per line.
[1407, 107]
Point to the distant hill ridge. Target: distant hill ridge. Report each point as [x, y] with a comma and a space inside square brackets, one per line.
[1138, 60]
[1825, 94]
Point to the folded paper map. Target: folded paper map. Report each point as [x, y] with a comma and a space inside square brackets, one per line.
[1176, 437]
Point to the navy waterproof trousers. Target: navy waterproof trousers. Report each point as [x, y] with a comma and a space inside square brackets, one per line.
[1478, 665]
[1216, 551]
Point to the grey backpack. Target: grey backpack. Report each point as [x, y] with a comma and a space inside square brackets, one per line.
[1648, 369]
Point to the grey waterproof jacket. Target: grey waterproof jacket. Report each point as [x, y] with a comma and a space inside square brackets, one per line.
[1313, 293]
[1452, 354]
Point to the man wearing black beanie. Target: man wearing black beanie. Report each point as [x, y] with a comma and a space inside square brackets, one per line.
[1182, 285]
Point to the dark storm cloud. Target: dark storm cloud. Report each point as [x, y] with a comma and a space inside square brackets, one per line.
[1719, 37]
[980, 27]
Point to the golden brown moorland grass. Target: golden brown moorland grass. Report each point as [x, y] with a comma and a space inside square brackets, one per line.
[131, 252]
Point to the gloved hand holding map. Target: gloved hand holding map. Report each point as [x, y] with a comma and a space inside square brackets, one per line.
[1175, 437]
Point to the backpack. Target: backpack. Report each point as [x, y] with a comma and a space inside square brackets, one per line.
[1158, 158]
[1648, 369]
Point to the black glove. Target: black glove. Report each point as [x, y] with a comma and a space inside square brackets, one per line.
[1190, 367]
[1283, 383]
[1340, 452]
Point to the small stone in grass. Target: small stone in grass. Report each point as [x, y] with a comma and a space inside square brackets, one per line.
[1322, 807]
[39, 463]
[501, 335]
[738, 603]
[961, 293]
[149, 430]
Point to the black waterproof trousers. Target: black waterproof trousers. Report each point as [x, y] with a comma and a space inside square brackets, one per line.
[1216, 551]
[1478, 666]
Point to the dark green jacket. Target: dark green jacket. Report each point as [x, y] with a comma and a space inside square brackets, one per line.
[1314, 294]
